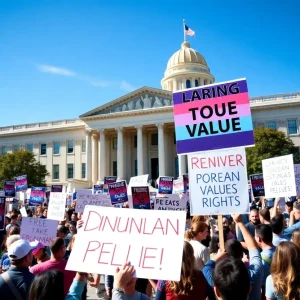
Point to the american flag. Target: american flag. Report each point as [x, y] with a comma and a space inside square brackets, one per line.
[189, 31]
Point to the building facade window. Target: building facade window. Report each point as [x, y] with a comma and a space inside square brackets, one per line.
[154, 139]
[83, 170]
[43, 150]
[70, 169]
[271, 124]
[114, 143]
[196, 82]
[56, 148]
[55, 173]
[292, 127]
[3, 150]
[83, 146]
[29, 147]
[188, 84]
[70, 147]
[16, 148]
[115, 168]
[135, 141]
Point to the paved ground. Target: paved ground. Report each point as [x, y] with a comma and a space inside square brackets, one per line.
[92, 293]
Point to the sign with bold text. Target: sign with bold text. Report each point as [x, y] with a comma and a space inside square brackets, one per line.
[169, 202]
[118, 192]
[165, 185]
[141, 180]
[92, 199]
[257, 184]
[140, 197]
[21, 183]
[57, 205]
[9, 188]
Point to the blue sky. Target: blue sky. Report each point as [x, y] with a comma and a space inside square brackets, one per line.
[59, 59]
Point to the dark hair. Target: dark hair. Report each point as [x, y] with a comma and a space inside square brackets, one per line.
[297, 205]
[13, 230]
[277, 224]
[29, 212]
[231, 279]
[213, 245]
[234, 249]
[47, 285]
[265, 213]
[62, 229]
[264, 232]
[14, 216]
[56, 245]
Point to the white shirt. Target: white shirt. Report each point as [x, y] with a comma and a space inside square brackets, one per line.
[201, 254]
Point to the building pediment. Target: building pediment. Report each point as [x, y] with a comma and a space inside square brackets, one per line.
[143, 98]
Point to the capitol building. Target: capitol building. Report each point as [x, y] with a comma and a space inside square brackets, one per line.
[134, 134]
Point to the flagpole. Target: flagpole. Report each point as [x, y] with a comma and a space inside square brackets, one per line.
[184, 35]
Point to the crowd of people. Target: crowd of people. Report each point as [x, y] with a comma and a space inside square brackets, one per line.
[258, 259]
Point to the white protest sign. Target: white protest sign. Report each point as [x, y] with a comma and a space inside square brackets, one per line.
[92, 199]
[279, 176]
[83, 192]
[42, 230]
[169, 202]
[297, 178]
[141, 180]
[218, 182]
[178, 186]
[151, 240]
[23, 212]
[56, 208]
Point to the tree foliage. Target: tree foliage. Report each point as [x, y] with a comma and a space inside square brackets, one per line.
[22, 162]
[268, 143]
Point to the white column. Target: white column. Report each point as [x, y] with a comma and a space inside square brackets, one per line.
[120, 156]
[140, 151]
[88, 155]
[94, 157]
[161, 150]
[192, 82]
[102, 156]
[182, 164]
[174, 85]
[183, 84]
[201, 81]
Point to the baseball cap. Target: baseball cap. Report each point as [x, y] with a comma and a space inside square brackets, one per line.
[36, 246]
[19, 249]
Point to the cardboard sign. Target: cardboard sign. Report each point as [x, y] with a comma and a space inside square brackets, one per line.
[23, 212]
[21, 183]
[91, 199]
[141, 180]
[297, 178]
[151, 240]
[141, 197]
[218, 182]
[98, 188]
[165, 185]
[56, 208]
[257, 183]
[185, 182]
[213, 117]
[178, 186]
[56, 188]
[37, 195]
[9, 188]
[2, 212]
[169, 202]
[118, 192]
[279, 176]
[42, 230]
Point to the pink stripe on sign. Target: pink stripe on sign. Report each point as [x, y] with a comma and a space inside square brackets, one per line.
[186, 119]
[183, 108]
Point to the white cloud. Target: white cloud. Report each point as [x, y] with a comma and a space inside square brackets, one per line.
[126, 86]
[101, 83]
[56, 70]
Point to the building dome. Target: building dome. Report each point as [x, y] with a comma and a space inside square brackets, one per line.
[186, 68]
[186, 55]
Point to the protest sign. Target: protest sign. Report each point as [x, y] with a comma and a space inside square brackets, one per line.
[23, 212]
[118, 192]
[214, 117]
[37, 195]
[69, 199]
[21, 183]
[9, 188]
[279, 176]
[151, 240]
[169, 202]
[91, 199]
[42, 230]
[110, 179]
[165, 185]
[56, 188]
[2, 212]
[186, 182]
[257, 183]
[178, 186]
[56, 208]
[152, 196]
[140, 197]
[98, 188]
[141, 180]
[297, 178]
[218, 182]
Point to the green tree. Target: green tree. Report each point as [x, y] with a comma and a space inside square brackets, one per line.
[268, 143]
[22, 162]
